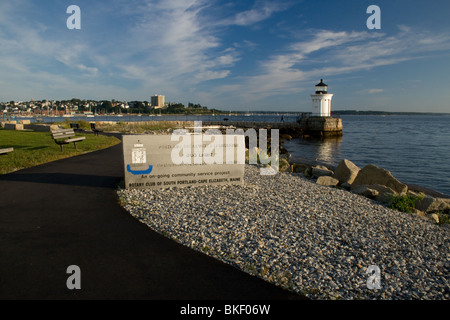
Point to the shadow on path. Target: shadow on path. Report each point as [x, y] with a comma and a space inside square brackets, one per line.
[70, 179]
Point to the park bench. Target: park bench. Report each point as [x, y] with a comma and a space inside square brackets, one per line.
[96, 131]
[75, 127]
[5, 151]
[64, 136]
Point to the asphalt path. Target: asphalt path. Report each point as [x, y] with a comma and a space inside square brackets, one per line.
[66, 213]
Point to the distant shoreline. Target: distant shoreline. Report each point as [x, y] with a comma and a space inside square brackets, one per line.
[239, 113]
[355, 112]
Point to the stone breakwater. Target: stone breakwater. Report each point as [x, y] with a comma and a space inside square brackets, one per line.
[377, 184]
[308, 238]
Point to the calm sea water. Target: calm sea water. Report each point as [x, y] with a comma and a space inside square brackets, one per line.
[415, 148]
[135, 118]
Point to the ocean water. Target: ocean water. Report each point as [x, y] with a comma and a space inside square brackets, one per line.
[414, 148]
[135, 118]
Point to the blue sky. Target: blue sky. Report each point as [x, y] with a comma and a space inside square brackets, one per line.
[231, 55]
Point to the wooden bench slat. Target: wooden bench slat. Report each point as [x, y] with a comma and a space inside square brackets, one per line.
[62, 130]
[6, 150]
[63, 135]
[76, 139]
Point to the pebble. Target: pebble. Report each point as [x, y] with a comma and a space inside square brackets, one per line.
[310, 239]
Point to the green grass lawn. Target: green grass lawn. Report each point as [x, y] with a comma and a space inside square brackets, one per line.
[34, 148]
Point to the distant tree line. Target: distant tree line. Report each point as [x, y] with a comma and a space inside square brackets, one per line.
[117, 107]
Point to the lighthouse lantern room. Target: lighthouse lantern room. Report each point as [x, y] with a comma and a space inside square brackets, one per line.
[321, 101]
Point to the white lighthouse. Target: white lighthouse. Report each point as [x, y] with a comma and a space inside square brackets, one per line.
[321, 101]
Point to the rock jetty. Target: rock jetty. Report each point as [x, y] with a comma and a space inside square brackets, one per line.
[377, 184]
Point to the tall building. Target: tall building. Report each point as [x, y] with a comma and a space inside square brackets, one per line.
[321, 101]
[157, 101]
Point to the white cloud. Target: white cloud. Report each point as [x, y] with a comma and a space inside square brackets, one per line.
[324, 39]
[90, 71]
[170, 45]
[212, 75]
[183, 42]
[373, 91]
[32, 54]
[136, 72]
[177, 42]
[328, 53]
[261, 11]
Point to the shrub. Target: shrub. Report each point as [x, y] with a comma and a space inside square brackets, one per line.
[404, 203]
[443, 218]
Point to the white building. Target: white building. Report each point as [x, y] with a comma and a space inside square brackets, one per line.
[157, 101]
[321, 101]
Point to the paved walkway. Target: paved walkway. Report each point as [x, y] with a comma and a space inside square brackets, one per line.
[66, 213]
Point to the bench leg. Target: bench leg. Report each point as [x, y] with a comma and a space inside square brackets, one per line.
[75, 145]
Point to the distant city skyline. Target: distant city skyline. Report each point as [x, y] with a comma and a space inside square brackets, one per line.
[242, 56]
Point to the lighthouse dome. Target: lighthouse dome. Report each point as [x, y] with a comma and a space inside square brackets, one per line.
[321, 87]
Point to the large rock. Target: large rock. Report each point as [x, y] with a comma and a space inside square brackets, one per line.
[366, 192]
[327, 181]
[385, 198]
[382, 189]
[433, 217]
[319, 171]
[285, 136]
[430, 204]
[13, 126]
[284, 165]
[346, 185]
[384, 195]
[346, 171]
[298, 167]
[373, 175]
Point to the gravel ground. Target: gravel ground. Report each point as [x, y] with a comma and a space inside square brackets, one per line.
[311, 239]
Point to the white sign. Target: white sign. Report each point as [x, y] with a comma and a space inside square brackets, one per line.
[161, 161]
